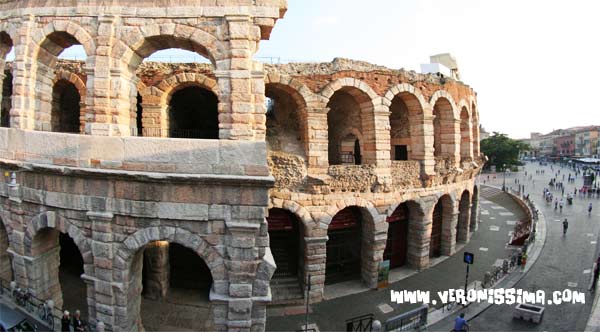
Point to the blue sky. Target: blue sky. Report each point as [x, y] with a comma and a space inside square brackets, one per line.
[532, 63]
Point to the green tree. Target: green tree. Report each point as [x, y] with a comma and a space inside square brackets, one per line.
[502, 150]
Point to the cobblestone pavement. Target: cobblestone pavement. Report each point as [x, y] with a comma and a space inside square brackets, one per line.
[488, 244]
[565, 262]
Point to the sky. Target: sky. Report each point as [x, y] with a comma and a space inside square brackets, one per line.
[533, 63]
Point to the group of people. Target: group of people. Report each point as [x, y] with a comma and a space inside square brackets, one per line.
[75, 322]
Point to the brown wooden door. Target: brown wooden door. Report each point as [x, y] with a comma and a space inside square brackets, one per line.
[435, 246]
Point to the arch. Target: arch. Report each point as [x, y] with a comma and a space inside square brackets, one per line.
[78, 83]
[139, 43]
[406, 99]
[347, 83]
[51, 219]
[443, 228]
[298, 210]
[49, 43]
[445, 95]
[74, 30]
[351, 105]
[286, 120]
[129, 264]
[401, 221]
[135, 241]
[444, 125]
[466, 146]
[337, 206]
[6, 44]
[6, 273]
[298, 90]
[155, 100]
[475, 128]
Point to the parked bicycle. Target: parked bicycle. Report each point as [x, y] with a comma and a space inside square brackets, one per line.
[45, 313]
[23, 298]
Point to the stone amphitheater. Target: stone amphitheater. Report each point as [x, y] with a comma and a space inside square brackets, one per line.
[173, 196]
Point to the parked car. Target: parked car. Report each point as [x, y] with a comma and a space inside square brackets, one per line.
[12, 320]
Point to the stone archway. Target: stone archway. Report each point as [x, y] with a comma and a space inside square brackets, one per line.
[58, 253]
[6, 274]
[132, 254]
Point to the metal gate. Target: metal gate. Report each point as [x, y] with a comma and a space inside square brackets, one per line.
[343, 246]
[283, 237]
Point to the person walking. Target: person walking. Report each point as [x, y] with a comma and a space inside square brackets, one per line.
[77, 323]
[565, 226]
[460, 323]
[590, 209]
[65, 322]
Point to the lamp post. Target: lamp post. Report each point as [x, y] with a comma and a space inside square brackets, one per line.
[504, 177]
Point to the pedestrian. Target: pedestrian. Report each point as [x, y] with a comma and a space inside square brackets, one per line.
[77, 323]
[590, 209]
[565, 226]
[65, 322]
[460, 323]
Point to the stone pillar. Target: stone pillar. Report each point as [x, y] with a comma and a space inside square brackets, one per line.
[318, 139]
[154, 119]
[463, 224]
[382, 143]
[449, 222]
[42, 274]
[109, 87]
[454, 142]
[23, 99]
[474, 222]
[419, 239]
[242, 256]
[241, 103]
[156, 266]
[373, 244]
[102, 306]
[428, 160]
[5, 262]
[315, 260]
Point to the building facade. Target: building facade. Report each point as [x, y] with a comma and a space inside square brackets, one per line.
[224, 184]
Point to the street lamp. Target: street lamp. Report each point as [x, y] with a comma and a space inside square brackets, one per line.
[504, 177]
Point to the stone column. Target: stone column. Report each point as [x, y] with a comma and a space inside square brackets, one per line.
[454, 148]
[109, 87]
[428, 160]
[23, 99]
[315, 260]
[463, 224]
[242, 256]
[42, 274]
[474, 222]
[419, 238]
[318, 139]
[156, 264]
[99, 276]
[241, 103]
[373, 245]
[449, 222]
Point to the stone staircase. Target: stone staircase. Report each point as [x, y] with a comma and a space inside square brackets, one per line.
[286, 290]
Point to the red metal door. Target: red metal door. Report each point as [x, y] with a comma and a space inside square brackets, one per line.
[397, 241]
